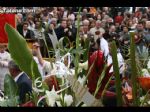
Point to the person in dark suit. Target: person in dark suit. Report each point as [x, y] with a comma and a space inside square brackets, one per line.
[23, 81]
[25, 32]
[72, 30]
[62, 30]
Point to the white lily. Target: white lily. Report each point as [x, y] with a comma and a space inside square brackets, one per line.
[145, 73]
[68, 99]
[51, 97]
[83, 66]
[84, 105]
[2, 99]
[81, 80]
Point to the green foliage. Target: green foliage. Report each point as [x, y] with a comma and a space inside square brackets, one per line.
[10, 87]
[133, 70]
[10, 92]
[116, 72]
[77, 58]
[99, 83]
[20, 52]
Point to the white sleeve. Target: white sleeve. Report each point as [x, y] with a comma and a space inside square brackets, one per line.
[120, 62]
[106, 49]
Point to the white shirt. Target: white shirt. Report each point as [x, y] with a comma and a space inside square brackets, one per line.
[4, 59]
[46, 68]
[40, 68]
[17, 77]
[104, 46]
[120, 62]
[24, 32]
[39, 34]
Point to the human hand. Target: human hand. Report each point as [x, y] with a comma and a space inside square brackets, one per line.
[35, 45]
[66, 29]
[51, 26]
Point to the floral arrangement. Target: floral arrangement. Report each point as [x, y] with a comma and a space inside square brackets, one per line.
[68, 87]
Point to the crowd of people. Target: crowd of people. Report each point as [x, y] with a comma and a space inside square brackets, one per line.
[101, 25]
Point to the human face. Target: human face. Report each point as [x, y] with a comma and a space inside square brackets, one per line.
[25, 27]
[69, 22]
[112, 29]
[2, 48]
[140, 27]
[98, 25]
[37, 24]
[64, 24]
[125, 29]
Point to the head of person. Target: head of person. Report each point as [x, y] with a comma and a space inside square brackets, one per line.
[92, 24]
[135, 20]
[19, 18]
[54, 21]
[130, 23]
[35, 46]
[99, 17]
[64, 23]
[140, 26]
[2, 48]
[125, 29]
[97, 43]
[86, 25]
[37, 24]
[85, 11]
[98, 24]
[13, 69]
[69, 22]
[148, 24]
[112, 28]
[25, 26]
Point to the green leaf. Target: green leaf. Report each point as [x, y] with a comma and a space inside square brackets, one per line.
[77, 58]
[100, 80]
[86, 47]
[20, 52]
[117, 75]
[133, 70]
[10, 87]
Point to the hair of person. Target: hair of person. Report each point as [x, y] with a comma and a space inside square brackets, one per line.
[13, 65]
[98, 41]
[25, 23]
[63, 20]
[125, 26]
[98, 21]
[116, 41]
[140, 22]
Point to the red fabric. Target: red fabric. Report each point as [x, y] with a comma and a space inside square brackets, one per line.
[96, 71]
[118, 19]
[5, 18]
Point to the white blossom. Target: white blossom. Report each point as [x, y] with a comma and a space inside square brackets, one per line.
[81, 80]
[68, 99]
[145, 73]
[51, 97]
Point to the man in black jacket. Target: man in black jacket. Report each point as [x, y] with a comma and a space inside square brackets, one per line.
[25, 32]
[62, 30]
[23, 81]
